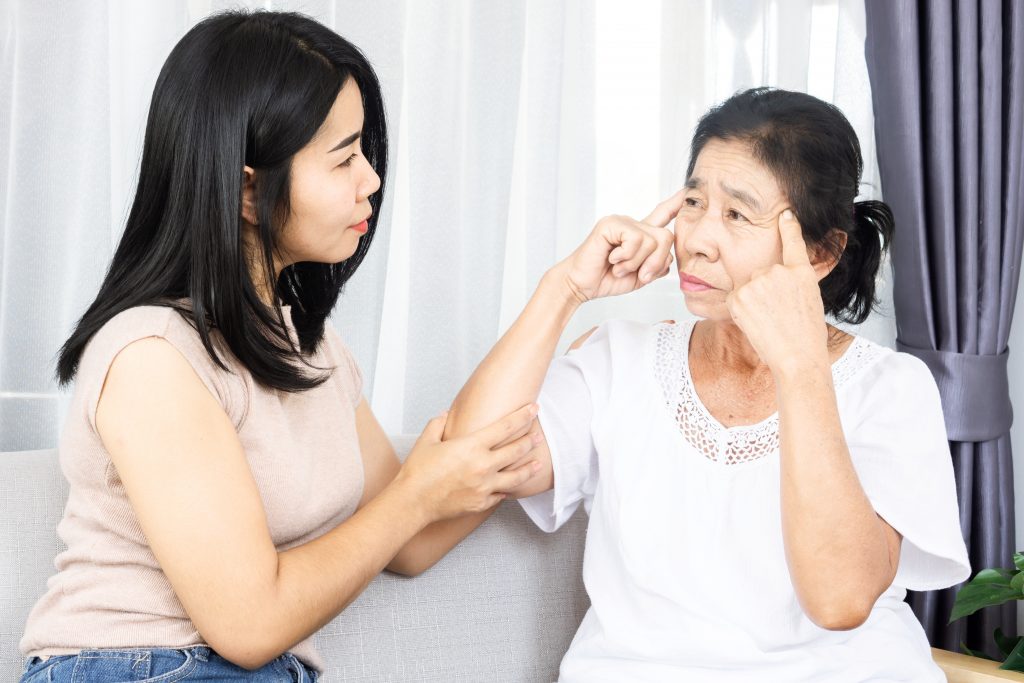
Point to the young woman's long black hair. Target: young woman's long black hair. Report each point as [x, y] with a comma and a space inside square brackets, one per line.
[239, 89]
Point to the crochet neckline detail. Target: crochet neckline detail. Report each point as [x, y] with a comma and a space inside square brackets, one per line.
[718, 443]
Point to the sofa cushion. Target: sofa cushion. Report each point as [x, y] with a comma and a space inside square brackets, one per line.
[502, 606]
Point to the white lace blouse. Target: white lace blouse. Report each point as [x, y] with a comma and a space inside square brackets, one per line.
[684, 561]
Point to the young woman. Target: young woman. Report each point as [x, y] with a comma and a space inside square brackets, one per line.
[230, 489]
[762, 487]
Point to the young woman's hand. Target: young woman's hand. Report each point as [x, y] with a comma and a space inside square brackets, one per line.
[621, 254]
[464, 475]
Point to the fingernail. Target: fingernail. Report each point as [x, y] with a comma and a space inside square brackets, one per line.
[537, 438]
[535, 466]
[787, 214]
[645, 276]
[534, 409]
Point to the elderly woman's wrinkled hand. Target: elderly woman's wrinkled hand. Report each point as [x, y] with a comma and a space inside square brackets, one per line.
[780, 308]
[622, 254]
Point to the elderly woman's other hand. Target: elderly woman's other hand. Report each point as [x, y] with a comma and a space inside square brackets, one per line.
[780, 309]
[621, 254]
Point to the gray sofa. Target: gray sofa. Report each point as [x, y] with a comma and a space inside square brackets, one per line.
[502, 606]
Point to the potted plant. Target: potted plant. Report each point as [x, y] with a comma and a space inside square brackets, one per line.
[994, 587]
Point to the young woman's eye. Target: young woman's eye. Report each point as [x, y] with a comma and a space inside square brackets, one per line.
[348, 162]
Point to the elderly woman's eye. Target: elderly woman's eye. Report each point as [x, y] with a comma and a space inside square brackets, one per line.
[690, 201]
[735, 215]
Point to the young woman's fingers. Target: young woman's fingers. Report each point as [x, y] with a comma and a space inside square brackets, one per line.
[519, 433]
[509, 480]
[434, 430]
[515, 451]
[507, 427]
[493, 500]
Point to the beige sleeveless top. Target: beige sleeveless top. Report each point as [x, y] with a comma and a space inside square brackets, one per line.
[302, 448]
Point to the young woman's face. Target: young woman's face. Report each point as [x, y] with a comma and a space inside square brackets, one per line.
[331, 182]
[728, 226]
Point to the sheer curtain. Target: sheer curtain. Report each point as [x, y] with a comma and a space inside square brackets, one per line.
[661, 65]
[514, 126]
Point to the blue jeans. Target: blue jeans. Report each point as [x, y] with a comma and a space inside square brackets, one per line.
[158, 664]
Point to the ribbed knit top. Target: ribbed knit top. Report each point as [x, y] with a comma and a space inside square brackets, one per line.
[302, 448]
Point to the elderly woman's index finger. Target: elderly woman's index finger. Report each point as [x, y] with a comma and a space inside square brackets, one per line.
[665, 211]
[794, 248]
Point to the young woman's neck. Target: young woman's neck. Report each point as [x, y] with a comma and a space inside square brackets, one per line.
[257, 267]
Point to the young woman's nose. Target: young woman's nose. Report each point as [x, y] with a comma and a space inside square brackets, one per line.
[370, 182]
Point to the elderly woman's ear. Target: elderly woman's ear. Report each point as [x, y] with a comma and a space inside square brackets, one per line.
[825, 256]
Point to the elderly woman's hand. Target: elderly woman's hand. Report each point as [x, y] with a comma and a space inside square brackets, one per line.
[780, 308]
[622, 254]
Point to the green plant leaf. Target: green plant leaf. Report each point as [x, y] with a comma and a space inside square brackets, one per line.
[968, 651]
[1017, 582]
[1018, 560]
[1015, 659]
[992, 576]
[1005, 644]
[974, 596]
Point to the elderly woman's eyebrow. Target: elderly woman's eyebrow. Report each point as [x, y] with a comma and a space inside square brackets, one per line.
[741, 196]
[697, 183]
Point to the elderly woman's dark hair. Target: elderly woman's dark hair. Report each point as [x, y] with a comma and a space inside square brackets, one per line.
[813, 152]
[240, 88]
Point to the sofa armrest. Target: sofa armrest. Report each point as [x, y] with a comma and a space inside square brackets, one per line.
[961, 668]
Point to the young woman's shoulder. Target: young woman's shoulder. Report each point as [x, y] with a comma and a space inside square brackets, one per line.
[163, 329]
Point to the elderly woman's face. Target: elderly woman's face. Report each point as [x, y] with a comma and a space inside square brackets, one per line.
[728, 226]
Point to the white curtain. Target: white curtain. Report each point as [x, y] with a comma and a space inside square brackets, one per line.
[661, 64]
[514, 125]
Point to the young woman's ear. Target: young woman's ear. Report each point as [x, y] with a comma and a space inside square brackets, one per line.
[249, 196]
[827, 255]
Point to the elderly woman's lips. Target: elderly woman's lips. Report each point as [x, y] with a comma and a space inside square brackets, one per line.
[688, 283]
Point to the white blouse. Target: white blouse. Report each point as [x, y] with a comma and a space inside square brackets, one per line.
[684, 560]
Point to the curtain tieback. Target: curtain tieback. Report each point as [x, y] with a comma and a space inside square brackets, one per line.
[974, 389]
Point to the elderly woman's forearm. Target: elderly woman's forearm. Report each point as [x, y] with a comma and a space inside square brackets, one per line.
[836, 544]
[512, 373]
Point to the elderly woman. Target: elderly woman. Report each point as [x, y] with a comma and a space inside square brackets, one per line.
[762, 487]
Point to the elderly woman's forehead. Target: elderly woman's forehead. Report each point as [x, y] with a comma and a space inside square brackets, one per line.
[732, 165]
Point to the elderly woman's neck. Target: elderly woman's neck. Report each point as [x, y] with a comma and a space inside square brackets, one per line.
[726, 346]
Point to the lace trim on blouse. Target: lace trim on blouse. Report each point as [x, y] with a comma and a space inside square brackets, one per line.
[729, 445]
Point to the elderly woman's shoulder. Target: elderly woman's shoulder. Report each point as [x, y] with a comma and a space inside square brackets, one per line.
[618, 330]
[885, 369]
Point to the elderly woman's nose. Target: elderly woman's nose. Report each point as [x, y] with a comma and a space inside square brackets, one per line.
[699, 237]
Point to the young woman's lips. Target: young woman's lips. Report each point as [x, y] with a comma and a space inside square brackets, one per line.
[688, 283]
[361, 228]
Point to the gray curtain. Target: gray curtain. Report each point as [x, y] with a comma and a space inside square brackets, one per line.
[947, 81]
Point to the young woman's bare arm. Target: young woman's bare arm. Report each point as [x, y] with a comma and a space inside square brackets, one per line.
[381, 466]
[186, 474]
